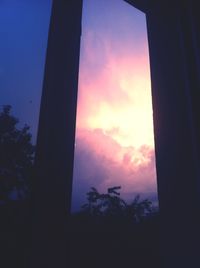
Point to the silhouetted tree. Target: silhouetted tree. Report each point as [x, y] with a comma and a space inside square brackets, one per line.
[112, 205]
[16, 156]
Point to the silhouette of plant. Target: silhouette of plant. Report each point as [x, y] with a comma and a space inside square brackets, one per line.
[16, 156]
[112, 205]
[139, 209]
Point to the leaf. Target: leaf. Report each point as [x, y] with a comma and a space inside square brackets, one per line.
[112, 190]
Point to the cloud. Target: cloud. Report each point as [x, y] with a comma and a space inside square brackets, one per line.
[114, 89]
[101, 162]
[104, 71]
[114, 107]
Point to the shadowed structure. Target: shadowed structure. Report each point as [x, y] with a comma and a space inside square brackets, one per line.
[173, 33]
[55, 142]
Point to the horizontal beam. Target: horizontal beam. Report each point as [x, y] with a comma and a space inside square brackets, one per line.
[140, 4]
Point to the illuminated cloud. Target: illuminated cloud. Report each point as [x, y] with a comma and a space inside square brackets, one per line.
[116, 94]
[114, 131]
[101, 162]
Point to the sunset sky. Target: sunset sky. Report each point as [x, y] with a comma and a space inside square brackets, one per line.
[114, 135]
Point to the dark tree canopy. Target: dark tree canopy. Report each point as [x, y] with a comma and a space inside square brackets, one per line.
[16, 156]
[112, 205]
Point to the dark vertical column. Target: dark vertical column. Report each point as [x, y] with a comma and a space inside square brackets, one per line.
[55, 143]
[175, 87]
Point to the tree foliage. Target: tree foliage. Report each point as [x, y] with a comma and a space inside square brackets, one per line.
[112, 205]
[16, 156]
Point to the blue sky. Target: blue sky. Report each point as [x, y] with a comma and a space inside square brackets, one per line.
[24, 30]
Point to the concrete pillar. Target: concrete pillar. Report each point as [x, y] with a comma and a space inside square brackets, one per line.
[174, 46]
[175, 87]
[56, 134]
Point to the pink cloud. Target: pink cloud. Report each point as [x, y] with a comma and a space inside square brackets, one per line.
[102, 72]
[114, 75]
[102, 162]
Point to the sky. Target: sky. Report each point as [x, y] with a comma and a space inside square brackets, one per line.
[114, 129]
[24, 29]
[114, 133]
